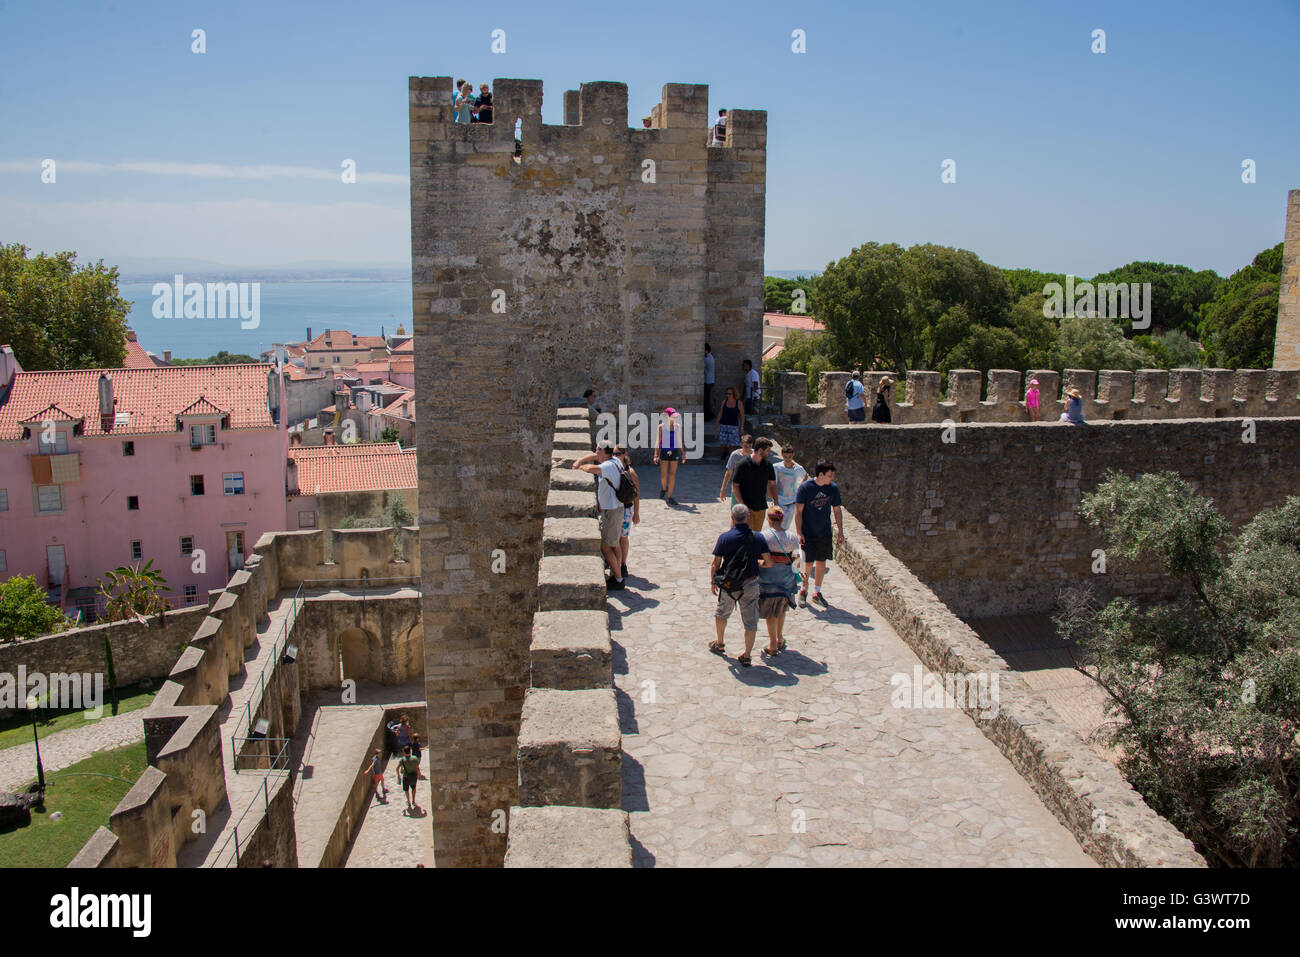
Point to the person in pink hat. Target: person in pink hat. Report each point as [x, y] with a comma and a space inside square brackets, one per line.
[1031, 401]
[668, 453]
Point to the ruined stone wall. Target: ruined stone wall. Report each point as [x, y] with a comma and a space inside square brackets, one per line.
[574, 267]
[990, 520]
[1286, 347]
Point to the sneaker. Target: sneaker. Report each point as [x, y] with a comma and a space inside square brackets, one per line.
[670, 500]
[662, 493]
[614, 584]
[818, 600]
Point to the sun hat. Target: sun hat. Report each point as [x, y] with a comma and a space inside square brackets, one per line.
[1074, 393]
[670, 411]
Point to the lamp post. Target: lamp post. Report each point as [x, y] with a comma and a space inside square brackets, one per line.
[32, 702]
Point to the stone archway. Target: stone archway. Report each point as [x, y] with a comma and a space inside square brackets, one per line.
[357, 653]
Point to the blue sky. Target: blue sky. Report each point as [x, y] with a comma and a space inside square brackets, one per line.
[1066, 159]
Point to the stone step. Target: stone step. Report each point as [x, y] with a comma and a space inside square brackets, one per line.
[571, 536]
[570, 583]
[562, 503]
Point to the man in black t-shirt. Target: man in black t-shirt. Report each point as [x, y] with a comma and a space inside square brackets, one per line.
[754, 482]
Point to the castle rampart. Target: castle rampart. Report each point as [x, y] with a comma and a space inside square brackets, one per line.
[1286, 344]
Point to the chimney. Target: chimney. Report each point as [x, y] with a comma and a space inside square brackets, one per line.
[291, 477]
[309, 333]
[8, 366]
[105, 396]
[167, 356]
[329, 437]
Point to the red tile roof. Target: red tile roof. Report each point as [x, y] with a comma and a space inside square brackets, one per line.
[807, 323]
[361, 368]
[341, 339]
[402, 365]
[407, 346]
[772, 351]
[150, 398]
[353, 468]
[136, 357]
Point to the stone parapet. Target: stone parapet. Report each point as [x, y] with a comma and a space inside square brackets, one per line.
[571, 650]
[570, 749]
[568, 837]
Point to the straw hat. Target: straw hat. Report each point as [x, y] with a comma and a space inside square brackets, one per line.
[886, 381]
[1074, 393]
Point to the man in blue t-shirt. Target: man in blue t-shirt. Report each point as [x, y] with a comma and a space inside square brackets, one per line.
[815, 501]
[729, 543]
[853, 401]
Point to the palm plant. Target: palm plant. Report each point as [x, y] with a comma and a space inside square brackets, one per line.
[133, 591]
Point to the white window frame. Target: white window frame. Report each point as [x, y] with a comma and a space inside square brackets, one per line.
[60, 442]
[228, 480]
[203, 433]
[49, 511]
[191, 595]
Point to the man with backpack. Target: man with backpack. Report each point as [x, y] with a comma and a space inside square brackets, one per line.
[733, 577]
[853, 390]
[615, 490]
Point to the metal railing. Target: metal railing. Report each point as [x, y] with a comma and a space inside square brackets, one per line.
[281, 642]
[263, 796]
[270, 754]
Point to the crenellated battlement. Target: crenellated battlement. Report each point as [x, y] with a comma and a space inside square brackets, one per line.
[1106, 394]
[598, 109]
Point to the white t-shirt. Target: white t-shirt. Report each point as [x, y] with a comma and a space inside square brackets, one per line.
[788, 482]
[610, 471]
[856, 402]
[782, 539]
[752, 384]
[708, 368]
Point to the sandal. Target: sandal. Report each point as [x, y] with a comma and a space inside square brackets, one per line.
[771, 654]
[718, 648]
[745, 661]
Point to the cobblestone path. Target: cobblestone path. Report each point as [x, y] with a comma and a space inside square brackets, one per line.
[65, 748]
[803, 761]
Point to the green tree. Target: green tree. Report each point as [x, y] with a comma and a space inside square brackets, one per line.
[1173, 350]
[809, 354]
[222, 358]
[778, 293]
[58, 315]
[24, 612]
[1037, 333]
[389, 434]
[1239, 326]
[1177, 292]
[1204, 690]
[1093, 343]
[132, 591]
[1030, 282]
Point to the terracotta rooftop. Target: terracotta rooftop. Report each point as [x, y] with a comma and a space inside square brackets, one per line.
[342, 339]
[149, 399]
[407, 346]
[353, 468]
[136, 357]
[364, 368]
[807, 323]
[772, 351]
[402, 365]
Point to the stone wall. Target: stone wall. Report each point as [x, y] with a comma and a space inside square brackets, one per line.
[1108, 394]
[139, 650]
[1083, 790]
[570, 746]
[618, 252]
[1286, 346]
[989, 521]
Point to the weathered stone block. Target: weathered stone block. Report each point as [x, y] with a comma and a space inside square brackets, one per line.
[570, 749]
[568, 837]
[561, 503]
[571, 536]
[571, 650]
[570, 582]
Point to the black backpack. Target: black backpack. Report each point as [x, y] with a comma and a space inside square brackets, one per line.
[848, 389]
[625, 491]
[735, 568]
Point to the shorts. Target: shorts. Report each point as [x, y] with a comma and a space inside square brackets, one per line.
[729, 435]
[611, 524]
[817, 549]
[410, 782]
[756, 518]
[748, 605]
[670, 455]
[858, 415]
[773, 606]
[627, 521]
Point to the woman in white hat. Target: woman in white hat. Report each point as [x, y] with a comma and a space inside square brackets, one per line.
[1073, 408]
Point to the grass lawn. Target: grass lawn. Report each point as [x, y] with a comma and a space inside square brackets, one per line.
[85, 796]
[18, 729]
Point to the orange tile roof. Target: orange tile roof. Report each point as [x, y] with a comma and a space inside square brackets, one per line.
[772, 351]
[341, 339]
[361, 368]
[407, 346]
[353, 468]
[292, 371]
[136, 357]
[152, 398]
[395, 407]
[402, 365]
[807, 323]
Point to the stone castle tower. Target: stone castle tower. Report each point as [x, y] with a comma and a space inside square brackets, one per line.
[601, 256]
[1286, 346]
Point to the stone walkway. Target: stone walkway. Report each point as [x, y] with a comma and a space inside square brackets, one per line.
[65, 748]
[390, 836]
[803, 761]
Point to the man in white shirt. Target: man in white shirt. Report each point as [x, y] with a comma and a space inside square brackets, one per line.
[708, 382]
[753, 388]
[608, 472]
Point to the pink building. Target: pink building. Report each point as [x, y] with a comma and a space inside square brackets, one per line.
[184, 465]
